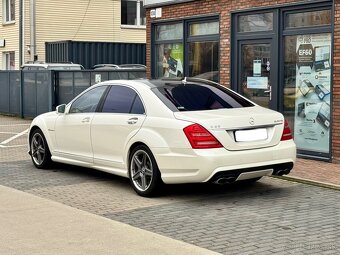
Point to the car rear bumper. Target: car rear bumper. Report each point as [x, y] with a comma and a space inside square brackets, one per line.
[188, 165]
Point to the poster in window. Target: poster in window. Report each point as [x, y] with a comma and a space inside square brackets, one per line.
[313, 91]
[172, 62]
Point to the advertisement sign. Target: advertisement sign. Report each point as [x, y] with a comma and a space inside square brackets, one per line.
[172, 60]
[257, 82]
[313, 85]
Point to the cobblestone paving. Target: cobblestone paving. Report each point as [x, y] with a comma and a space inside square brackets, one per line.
[270, 217]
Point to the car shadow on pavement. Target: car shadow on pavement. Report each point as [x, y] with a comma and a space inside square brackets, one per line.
[171, 190]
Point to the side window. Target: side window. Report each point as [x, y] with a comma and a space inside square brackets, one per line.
[137, 107]
[123, 100]
[88, 102]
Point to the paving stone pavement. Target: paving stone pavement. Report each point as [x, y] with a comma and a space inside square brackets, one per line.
[272, 216]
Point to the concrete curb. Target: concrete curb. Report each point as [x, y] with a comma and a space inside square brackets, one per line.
[310, 182]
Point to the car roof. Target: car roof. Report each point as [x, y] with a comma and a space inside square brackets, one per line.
[51, 64]
[160, 82]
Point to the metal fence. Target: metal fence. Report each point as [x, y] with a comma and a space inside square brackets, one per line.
[30, 93]
[89, 54]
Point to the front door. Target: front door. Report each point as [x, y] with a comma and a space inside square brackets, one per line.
[255, 76]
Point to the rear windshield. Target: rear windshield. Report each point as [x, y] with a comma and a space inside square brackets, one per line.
[199, 97]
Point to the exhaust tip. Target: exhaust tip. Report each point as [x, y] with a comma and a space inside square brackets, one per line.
[225, 180]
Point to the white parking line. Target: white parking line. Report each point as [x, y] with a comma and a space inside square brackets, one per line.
[12, 125]
[13, 146]
[14, 137]
[9, 133]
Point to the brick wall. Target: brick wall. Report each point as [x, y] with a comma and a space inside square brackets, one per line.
[209, 7]
[223, 8]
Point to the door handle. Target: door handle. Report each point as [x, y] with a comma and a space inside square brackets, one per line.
[85, 120]
[270, 92]
[132, 121]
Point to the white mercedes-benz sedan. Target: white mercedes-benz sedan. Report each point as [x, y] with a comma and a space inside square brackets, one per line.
[165, 131]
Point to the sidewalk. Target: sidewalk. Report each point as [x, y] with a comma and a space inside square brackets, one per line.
[33, 225]
[317, 172]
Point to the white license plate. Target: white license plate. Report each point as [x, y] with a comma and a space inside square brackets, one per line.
[251, 135]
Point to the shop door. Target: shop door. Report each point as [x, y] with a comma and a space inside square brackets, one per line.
[256, 80]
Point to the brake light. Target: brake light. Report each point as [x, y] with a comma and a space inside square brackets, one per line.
[200, 138]
[287, 133]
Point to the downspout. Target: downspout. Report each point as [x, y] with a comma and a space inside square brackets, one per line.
[33, 31]
[21, 33]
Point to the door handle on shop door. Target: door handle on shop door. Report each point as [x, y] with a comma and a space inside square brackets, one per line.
[132, 121]
[270, 92]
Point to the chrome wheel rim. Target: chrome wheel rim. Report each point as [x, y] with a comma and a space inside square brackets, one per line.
[38, 149]
[141, 170]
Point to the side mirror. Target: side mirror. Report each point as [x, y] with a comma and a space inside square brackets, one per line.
[61, 108]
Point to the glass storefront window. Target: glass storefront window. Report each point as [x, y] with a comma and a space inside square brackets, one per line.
[307, 89]
[203, 60]
[169, 32]
[207, 28]
[307, 19]
[169, 60]
[255, 22]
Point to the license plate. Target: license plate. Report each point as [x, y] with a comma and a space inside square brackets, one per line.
[251, 135]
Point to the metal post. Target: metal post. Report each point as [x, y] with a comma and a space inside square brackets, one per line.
[32, 30]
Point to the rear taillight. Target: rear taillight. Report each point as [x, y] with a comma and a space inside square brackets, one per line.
[200, 138]
[287, 133]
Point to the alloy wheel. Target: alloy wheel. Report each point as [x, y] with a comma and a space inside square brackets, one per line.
[38, 149]
[141, 170]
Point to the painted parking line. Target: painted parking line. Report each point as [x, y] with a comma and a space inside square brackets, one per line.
[8, 133]
[12, 125]
[13, 146]
[14, 137]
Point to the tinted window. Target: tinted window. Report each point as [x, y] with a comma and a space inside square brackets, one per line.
[88, 102]
[306, 19]
[122, 100]
[198, 97]
[255, 22]
[137, 107]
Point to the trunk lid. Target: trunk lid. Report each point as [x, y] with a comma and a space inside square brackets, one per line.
[239, 128]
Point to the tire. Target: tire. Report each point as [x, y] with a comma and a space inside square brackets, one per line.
[144, 174]
[39, 151]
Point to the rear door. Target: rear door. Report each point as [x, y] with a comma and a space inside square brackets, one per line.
[120, 118]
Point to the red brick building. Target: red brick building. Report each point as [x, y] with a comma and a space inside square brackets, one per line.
[283, 54]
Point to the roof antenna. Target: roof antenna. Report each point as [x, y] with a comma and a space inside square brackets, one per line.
[184, 81]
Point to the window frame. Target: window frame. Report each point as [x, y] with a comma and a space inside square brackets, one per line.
[7, 17]
[103, 100]
[186, 39]
[7, 60]
[139, 4]
[82, 94]
[277, 35]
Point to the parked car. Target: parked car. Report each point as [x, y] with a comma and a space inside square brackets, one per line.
[52, 66]
[165, 131]
[126, 71]
[113, 66]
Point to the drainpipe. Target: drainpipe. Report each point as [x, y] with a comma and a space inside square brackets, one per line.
[33, 31]
[21, 32]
